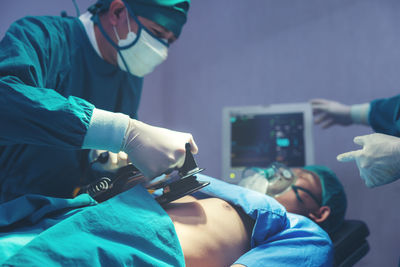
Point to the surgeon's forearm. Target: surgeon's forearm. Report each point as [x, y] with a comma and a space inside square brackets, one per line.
[106, 131]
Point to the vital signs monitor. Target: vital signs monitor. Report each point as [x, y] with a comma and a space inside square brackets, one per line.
[256, 136]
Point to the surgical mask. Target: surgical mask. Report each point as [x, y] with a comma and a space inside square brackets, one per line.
[140, 54]
[274, 180]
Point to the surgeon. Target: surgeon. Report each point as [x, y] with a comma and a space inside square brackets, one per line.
[379, 159]
[71, 85]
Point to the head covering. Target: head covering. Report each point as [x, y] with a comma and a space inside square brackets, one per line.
[333, 196]
[171, 14]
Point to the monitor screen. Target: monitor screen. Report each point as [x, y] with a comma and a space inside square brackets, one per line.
[259, 140]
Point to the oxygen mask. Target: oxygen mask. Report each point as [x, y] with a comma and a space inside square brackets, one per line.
[273, 180]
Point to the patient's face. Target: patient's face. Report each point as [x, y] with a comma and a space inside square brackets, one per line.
[309, 181]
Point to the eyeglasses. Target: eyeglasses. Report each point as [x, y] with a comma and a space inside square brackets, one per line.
[308, 192]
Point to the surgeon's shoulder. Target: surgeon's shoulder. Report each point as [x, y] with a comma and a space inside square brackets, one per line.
[42, 27]
[35, 22]
[50, 34]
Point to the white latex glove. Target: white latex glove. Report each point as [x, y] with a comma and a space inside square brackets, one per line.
[330, 113]
[154, 150]
[114, 162]
[378, 161]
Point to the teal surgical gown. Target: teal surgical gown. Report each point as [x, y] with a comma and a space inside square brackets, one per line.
[50, 80]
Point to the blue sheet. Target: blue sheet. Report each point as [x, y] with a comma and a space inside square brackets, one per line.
[130, 229]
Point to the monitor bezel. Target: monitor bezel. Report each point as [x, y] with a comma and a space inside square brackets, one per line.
[286, 108]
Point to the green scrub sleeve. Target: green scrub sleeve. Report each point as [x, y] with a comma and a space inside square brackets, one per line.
[106, 131]
[384, 116]
[40, 116]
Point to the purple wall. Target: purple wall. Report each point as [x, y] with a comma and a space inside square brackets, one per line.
[262, 52]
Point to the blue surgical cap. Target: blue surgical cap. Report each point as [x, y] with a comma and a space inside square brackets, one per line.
[333, 196]
[171, 14]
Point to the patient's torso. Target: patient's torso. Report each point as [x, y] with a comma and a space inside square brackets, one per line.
[211, 231]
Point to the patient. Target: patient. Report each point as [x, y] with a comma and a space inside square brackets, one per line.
[221, 225]
[225, 224]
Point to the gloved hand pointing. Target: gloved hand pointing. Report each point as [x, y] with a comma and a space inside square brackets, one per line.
[155, 150]
[378, 161]
[330, 113]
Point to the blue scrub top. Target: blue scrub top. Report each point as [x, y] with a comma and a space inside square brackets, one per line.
[50, 80]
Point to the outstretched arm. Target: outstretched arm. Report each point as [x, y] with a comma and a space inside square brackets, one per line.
[302, 243]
